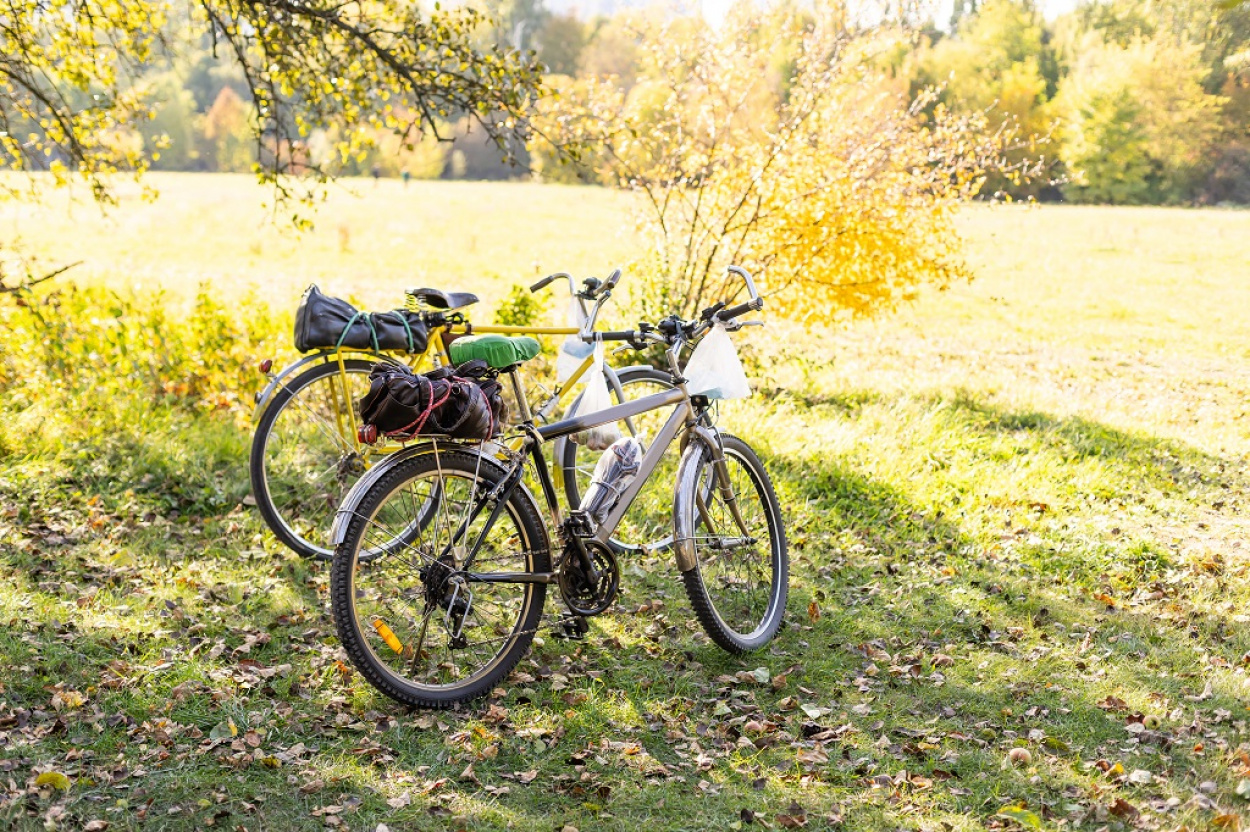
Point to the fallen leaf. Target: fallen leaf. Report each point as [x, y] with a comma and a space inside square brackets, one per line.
[55, 779]
[1113, 703]
[68, 700]
[224, 730]
[1123, 809]
[1025, 817]
[813, 611]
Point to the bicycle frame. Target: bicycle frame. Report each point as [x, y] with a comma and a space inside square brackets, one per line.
[684, 417]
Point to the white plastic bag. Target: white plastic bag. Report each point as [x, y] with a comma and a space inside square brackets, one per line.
[714, 369]
[595, 398]
[574, 350]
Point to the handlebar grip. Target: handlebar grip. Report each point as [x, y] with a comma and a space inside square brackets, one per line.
[626, 335]
[741, 309]
[613, 279]
[546, 281]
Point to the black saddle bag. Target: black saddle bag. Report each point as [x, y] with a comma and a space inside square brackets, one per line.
[462, 403]
[323, 322]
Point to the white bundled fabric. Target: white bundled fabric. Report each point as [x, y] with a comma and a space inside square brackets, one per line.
[594, 399]
[616, 470]
[574, 350]
[714, 370]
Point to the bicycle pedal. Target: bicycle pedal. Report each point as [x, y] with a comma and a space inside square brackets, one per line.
[572, 629]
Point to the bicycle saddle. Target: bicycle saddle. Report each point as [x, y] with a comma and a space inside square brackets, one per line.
[498, 351]
[443, 300]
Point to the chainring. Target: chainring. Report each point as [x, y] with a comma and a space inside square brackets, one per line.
[582, 594]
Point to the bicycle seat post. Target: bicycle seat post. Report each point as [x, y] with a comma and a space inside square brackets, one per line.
[522, 402]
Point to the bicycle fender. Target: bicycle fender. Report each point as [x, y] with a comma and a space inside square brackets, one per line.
[266, 395]
[351, 503]
[699, 437]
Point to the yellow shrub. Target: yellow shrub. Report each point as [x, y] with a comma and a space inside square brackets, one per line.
[776, 143]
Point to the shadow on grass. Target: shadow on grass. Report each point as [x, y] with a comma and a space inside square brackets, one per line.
[1134, 457]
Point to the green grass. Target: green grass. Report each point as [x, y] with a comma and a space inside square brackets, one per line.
[1016, 513]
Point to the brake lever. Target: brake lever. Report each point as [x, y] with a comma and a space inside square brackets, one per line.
[734, 326]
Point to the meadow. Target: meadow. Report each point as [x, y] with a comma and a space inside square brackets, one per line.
[1016, 516]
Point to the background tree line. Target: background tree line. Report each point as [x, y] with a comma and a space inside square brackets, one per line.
[1125, 101]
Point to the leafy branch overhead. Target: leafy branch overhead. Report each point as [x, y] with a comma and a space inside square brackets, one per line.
[71, 94]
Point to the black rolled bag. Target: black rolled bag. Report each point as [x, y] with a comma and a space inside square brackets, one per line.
[323, 322]
[461, 402]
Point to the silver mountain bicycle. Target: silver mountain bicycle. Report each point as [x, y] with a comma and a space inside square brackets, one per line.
[434, 608]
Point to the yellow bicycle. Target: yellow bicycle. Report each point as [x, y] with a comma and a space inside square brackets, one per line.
[306, 453]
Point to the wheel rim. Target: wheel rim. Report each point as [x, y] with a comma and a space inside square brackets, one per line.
[395, 609]
[309, 461]
[739, 577]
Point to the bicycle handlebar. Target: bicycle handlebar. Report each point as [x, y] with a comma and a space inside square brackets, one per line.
[549, 279]
[719, 313]
[671, 329]
[746, 277]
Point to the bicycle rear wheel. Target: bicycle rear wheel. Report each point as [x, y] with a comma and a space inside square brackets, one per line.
[412, 622]
[740, 580]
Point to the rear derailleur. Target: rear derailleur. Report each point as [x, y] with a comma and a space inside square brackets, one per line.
[448, 591]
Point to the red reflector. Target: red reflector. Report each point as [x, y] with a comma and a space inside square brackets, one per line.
[367, 434]
[266, 365]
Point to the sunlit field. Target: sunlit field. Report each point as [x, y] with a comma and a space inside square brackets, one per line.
[370, 239]
[1016, 510]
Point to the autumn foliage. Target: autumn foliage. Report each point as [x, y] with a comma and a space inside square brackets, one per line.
[781, 143]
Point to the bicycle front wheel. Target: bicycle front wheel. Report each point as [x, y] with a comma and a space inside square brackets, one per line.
[416, 624]
[740, 580]
[304, 459]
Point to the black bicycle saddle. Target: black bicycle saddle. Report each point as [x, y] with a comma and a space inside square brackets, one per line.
[443, 300]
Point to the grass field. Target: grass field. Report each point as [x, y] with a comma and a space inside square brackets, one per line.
[1016, 512]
